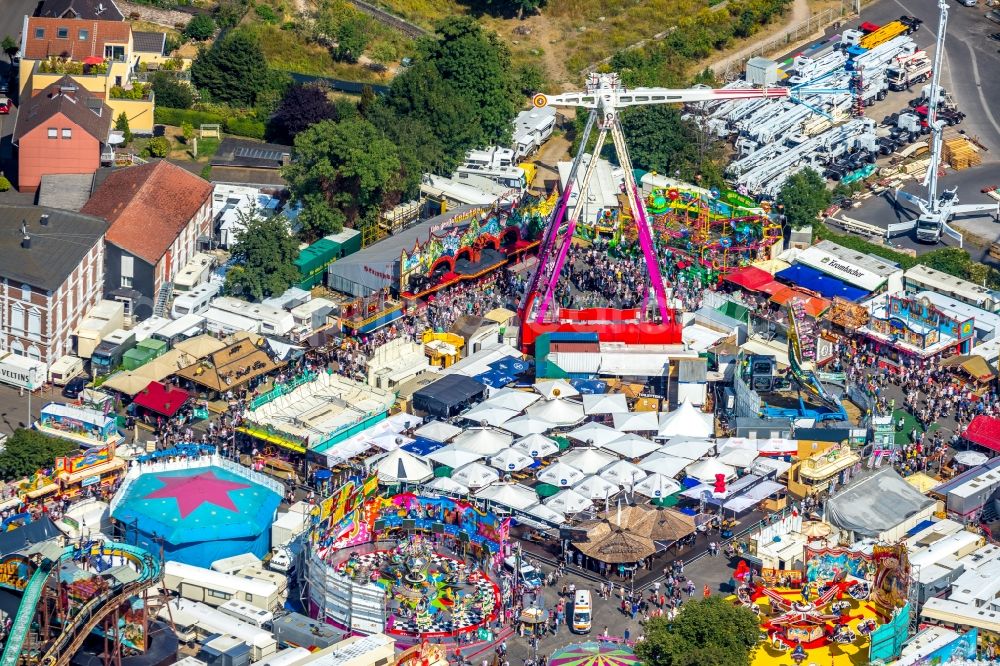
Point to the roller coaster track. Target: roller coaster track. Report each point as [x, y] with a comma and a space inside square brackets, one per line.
[60, 650]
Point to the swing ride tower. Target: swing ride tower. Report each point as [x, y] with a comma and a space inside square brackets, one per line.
[604, 98]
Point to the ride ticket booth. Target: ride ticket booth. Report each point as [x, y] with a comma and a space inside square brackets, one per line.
[98, 468]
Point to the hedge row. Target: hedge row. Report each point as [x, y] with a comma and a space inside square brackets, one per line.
[823, 232]
[237, 126]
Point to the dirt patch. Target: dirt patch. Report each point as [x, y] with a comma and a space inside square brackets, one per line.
[166, 18]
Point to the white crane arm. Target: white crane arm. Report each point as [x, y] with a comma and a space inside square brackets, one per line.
[621, 97]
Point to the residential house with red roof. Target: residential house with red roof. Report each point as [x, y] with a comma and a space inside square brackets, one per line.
[62, 130]
[99, 54]
[158, 214]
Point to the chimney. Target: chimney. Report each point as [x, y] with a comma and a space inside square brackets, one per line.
[44, 220]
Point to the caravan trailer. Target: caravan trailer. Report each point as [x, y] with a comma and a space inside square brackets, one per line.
[103, 318]
[194, 273]
[186, 327]
[195, 301]
[270, 320]
[246, 613]
[145, 329]
[196, 620]
[64, 369]
[231, 565]
[215, 588]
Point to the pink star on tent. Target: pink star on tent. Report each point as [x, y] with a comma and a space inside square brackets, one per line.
[192, 491]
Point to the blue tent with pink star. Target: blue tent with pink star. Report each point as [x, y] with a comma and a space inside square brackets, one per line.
[198, 515]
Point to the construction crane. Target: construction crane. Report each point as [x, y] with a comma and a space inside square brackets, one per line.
[605, 97]
[937, 211]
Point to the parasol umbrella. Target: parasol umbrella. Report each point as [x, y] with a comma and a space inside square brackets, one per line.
[545, 513]
[476, 475]
[510, 398]
[738, 457]
[815, 529]
[559, 388]
[513, 495]
[661, 463]
[707, 469]
[594, 654]
[447, 485]
[443, 472]
[536, 446]
[453, 457]
[604, 403]
[559, 412]
[483, 440]
[631, 446]
[560, 474]
[511, 460]
[970, 458]
[588, 461]
[623, 472]
[526, 424]
[636, 421]
[546, 490]
[568, 502]
[657, 486]
[533, 615]
[597, 433]
[596, 488]
[403, 466]
[489, 415]
[439, 431]
[691, 448]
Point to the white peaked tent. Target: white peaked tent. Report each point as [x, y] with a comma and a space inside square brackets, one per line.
[596, 433]
[686, 421]
[637, 421]
[483, 440]
[475, 475]
[439, 431]
[494, 416]
[512, 495]
[588, 461]
[596, 488]
[446, 484]
[511, 460]
[545, 513]
[558, 388]
[536, 446]
[389, 441]
[657, 485]
[623, 473]
[631, 446]
[604, 403]
[453, 457]
[738, 457]
[560, 412]
[510, 398]
[660, 463]
[560, 474]
[401, 465]
[691, 448]
[526, 424]
[568, 502]
[706, 470]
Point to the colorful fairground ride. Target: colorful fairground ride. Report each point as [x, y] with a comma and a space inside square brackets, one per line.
[716, 231]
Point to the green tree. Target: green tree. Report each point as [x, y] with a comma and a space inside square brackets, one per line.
[660, 140]
[121, 124]
[234, 70]
[950, 260]
[172, 93]
[187, 131]
[341, 173]
[302, 107]
[4, 183]
[158, 146]
[200, 27]
[264, 255]
[803, 196]
[707, 632]
[28, 451]
[10, 47]
[353, 37]
[531, 78]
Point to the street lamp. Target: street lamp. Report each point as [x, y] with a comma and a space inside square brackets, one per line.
[31, 384]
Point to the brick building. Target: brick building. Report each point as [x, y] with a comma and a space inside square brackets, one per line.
[51, 274]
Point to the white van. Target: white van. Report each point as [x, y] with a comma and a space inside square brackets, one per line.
[64, 369]
[582, 612]
[195, 301]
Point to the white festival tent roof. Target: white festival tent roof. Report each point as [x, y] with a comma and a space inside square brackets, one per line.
[560, 412]
[510, 398]
[453, 457]
[568, 502]
[439, 431]
[512, 495]
[588, 461]
[490, 415]
[475, 475]
[686, 421]
[401, 465]
[596, 488]
[631, 446]
[707, 469]
[558, 388]
[560, 474]
[447, 485]
[657, 485]
[596, 433]
[661, 463]
[604, 403]
[526, 424]
[692, 448]
[623, 473]
[537, 446]
[636, 421]
[483, 440]
[511, 460]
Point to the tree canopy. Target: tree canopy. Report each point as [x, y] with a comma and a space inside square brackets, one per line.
[200, 27]
[300, 108]
[706, 632]
[172, 93]
[28, 451]
[803, 196]
[264, 256]
[234, 70]
[342, 174]
[660, 140]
